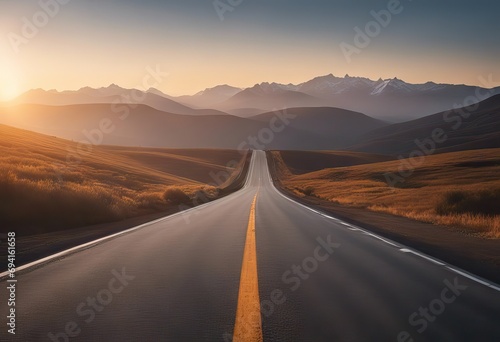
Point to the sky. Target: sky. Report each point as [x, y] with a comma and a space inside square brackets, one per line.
[69, 44]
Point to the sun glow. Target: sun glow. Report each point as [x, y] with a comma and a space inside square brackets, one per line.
[9, 81]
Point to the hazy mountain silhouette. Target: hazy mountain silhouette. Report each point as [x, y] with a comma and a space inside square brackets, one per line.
[113, 95]
[391, 99]
[210, 96]
[269, 97]
[157, 120]
[140, 125]
[472, 127]
[322, 127]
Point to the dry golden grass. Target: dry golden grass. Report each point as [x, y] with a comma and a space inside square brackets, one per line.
[41, 191]
[419, 196]
[300, 162]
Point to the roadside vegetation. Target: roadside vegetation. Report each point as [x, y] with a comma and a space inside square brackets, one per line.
[484, 202]
[41, 192]
[459, 189]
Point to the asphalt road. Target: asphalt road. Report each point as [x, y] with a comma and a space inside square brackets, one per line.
[319, 279]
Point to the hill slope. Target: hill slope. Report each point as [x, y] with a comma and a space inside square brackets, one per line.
[140, 125]
[136, 125]
[300, 162]
[48, 183]
[466, 128]
[322, 128]
[459, 189]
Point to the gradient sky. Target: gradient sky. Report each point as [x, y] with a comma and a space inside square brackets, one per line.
[98, 42]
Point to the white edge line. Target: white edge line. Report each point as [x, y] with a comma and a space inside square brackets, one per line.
[72, 249]
[381, 239]
[404, 250]
[349, 226]
[478, 280]
[76, 248]
[407, 250]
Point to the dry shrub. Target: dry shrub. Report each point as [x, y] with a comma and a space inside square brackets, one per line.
[151, 200]
[459, 189]
[308, 191]
[41, 191]
[204, 196]
[42, 204]
[175, 196]
[483, 202]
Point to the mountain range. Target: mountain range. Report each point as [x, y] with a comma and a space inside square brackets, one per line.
[271, 116]
[112, 94]
[307, 128]
[141, 125]
[392, 100]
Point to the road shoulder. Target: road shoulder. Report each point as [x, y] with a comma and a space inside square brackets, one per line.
[477, 255]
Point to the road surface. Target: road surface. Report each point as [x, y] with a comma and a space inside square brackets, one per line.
[189, 276]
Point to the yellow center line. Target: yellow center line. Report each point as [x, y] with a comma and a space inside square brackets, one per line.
[248, 325]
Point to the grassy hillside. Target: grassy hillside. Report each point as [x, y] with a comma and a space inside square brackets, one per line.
[300, 162]
[48, 183]
[459, 189]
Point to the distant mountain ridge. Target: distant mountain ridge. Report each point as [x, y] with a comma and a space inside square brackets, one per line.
[296, 128]
[210, 96]
[467, 128]
[393, 100]
[308, 128]
[113, 94]
[390, 99]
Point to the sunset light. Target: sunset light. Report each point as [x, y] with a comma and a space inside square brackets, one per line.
[250, 170]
